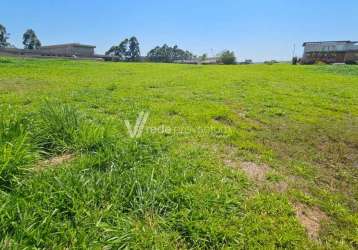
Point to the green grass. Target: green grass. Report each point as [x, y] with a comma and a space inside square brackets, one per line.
[173, 187]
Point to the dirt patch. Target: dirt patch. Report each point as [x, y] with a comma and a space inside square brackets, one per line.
[355, 165]
[55, 161]
[230, 163]
[279, 187]
[258, 173]
[254, 171]
[310, 218]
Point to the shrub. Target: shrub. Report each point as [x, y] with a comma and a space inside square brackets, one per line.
[294, 60]
[351, 62]
[227, 57]
[270, 62]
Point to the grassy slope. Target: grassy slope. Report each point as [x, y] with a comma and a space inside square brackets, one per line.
[175, 189]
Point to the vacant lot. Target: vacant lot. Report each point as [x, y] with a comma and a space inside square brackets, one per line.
[254, 156]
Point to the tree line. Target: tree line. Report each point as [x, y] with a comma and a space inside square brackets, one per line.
[169, 54]
[29, 39]
[128, 50]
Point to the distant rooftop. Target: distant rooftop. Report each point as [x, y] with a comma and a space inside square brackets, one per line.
[334, 42]
[68, 45]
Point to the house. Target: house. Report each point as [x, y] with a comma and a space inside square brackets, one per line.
[330, 52]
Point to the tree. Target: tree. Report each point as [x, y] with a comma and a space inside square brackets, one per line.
[203, 57]
[3, 37]
[30, 40]
[169, 54]
[227, 57]
[127, 50]
[134, 50]
[111, 51]
[123, 51]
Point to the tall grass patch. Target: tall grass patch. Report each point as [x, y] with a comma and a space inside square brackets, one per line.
[56, 127]
[60, 128]
[16, 150]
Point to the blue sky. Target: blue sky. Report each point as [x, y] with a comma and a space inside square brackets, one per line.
[255, 29]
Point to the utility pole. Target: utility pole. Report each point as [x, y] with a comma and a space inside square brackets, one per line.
[294, 50]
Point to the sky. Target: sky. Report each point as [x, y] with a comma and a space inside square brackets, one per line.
[257, 29]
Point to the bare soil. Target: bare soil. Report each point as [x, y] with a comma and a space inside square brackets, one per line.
[310, 218]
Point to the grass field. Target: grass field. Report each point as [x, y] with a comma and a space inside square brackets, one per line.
[241, 157]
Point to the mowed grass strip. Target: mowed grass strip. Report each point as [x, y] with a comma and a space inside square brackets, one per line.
[71, 177]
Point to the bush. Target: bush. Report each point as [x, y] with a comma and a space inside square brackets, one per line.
[227, 57]
[270, 62]
[294, 60]
[351, 62]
